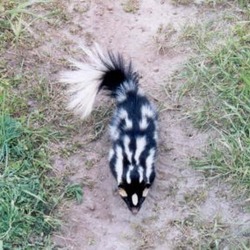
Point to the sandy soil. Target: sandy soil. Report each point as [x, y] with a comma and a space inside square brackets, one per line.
[183, 205]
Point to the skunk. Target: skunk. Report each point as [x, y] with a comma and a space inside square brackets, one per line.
[133, 127]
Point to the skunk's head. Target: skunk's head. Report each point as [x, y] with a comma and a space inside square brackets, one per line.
[134, 175]
[134, 191]
[133, 197]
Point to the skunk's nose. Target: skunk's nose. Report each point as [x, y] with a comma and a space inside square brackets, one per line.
[134, 210]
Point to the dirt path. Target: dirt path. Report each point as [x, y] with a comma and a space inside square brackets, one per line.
[183, 210]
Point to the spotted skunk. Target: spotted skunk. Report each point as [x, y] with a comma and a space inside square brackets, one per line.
[133, 127]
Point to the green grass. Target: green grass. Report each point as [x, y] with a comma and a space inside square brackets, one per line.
[213, 3]
[30, 191]
[213, 233]
[219, 82]
[16, 18]
[28, 196]
[131, 6]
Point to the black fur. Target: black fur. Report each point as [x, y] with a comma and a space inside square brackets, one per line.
[122, 82]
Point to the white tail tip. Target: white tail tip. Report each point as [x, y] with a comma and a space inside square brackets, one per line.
[83, 83]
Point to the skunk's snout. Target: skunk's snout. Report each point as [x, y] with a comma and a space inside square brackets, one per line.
[135, 210]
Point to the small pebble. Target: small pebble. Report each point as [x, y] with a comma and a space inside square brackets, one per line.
[31, 103]
[91, 206]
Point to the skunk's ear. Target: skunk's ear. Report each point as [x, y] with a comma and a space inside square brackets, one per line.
[146, 189]
[122, 191]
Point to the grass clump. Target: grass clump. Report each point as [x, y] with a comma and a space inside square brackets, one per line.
[213, 3]
[164, 38]
[213, 233]
[16, 18]
[131, 6]
[222, 79]
[29, 191]
[27, 195]
[182, 2]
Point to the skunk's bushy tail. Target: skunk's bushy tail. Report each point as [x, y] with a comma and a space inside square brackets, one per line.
[100, 71]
